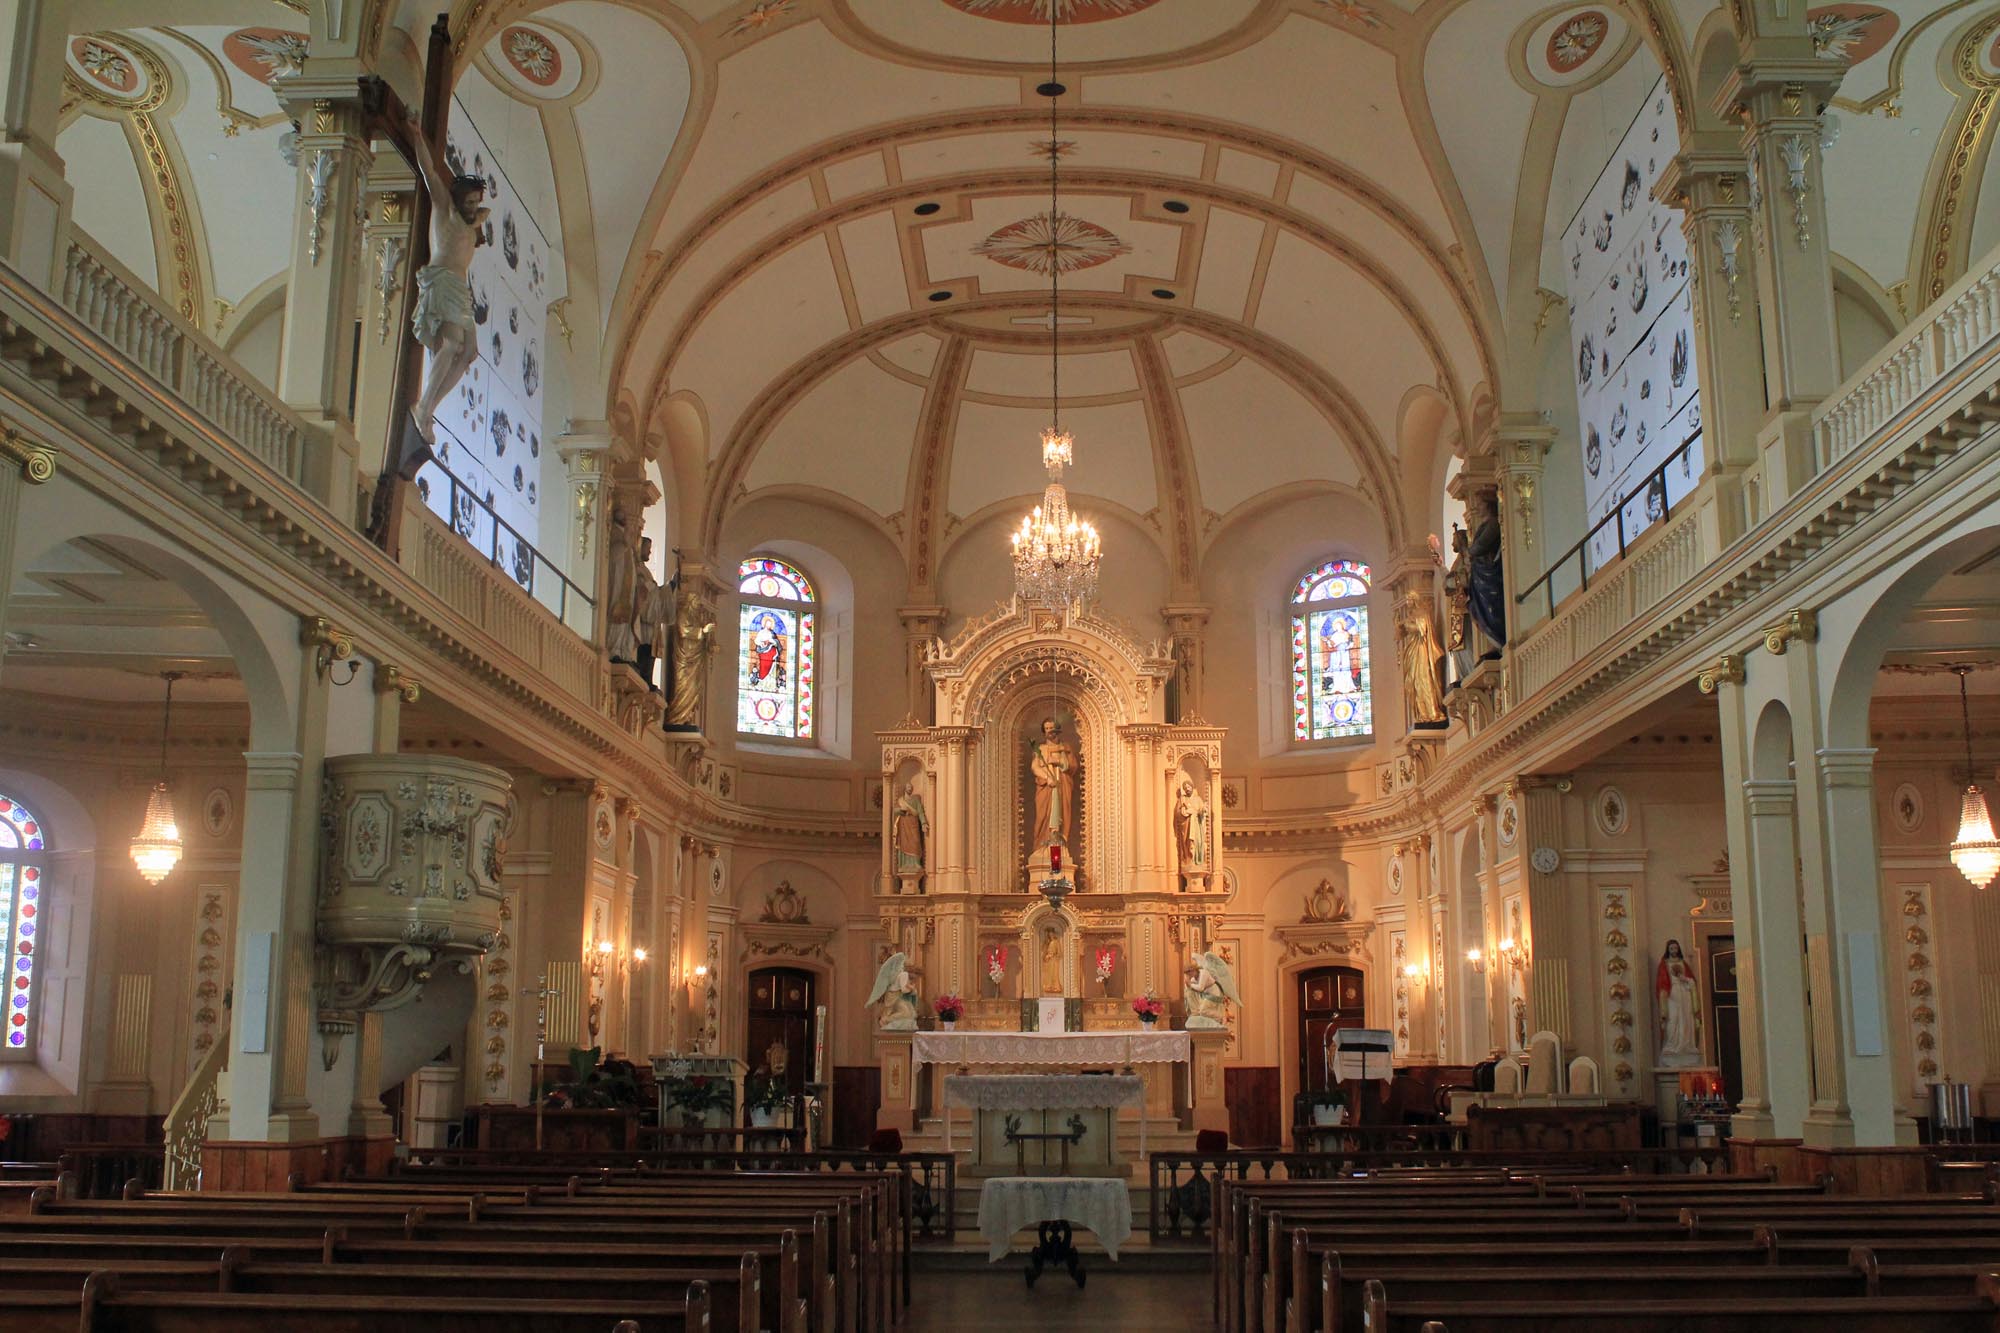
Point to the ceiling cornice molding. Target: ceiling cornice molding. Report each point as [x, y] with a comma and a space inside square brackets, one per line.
[1176, 479]
[929, 480]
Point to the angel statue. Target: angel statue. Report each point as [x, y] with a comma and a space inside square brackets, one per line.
[896, 991]
[1210, 988]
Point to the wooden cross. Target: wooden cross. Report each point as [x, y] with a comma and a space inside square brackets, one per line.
[386, 117]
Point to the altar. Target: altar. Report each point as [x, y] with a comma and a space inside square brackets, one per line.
[1070, 1049]
[1072, 1118]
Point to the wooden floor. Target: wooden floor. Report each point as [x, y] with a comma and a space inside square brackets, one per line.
[1110, 1302]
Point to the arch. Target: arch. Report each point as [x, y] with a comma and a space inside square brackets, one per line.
[1771, 744]
[1858, 628]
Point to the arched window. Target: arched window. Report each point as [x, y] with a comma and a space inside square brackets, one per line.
[774, 650]
[1331, 698]
[21, 843]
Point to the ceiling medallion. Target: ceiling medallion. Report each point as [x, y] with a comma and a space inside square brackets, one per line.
[533, 56]
[1849, 33]
[760, 16]
[1576, 40]
[1051, 242]
[108, 66]
[266, 53]
[1050, 11]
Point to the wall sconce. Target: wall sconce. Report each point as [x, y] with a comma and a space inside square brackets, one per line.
[699, 977]
[1476, 960]
[600, 955]
[1415, 973]
[639, 956]
[1512, 954]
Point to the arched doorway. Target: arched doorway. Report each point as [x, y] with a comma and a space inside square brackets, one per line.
[778, 1031]
[1328, 999]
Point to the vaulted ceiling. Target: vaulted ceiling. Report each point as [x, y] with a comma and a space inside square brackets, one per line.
[1306, 248]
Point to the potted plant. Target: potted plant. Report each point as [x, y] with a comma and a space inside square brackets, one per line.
[1148, 1007]
[695, 1094]
[595, 1083]
[764, 1093]
[950, 1008]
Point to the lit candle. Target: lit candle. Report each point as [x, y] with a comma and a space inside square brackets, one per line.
[819, 1044]
[1055, 860]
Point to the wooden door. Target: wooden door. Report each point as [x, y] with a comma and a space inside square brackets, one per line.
[1329, 999]
[780, 1025]
[1722, 1006]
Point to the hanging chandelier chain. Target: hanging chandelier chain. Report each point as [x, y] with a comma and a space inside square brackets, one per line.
[1055, 244]
[167, 719]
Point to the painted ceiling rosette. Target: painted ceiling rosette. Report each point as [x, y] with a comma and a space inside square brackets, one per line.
[1051, 243]
[1039, 11]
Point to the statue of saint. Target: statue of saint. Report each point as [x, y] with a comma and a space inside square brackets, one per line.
[655, 612]
[1678, 1004]
[1457, 608]
[1053, 765]
[1487, 596]
[443, 321]
[621, 587]
[909, 827]
[1210, 989]
[896, 991]
[1052, 981]
[1190, 828]
[694, 637]
[1417, 650]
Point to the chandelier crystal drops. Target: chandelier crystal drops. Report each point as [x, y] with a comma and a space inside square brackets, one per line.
[156, 849]
[1974, 851]
[1056, 554]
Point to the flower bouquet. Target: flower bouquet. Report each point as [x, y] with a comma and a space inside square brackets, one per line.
[1148, 1007]
[1103, 960]
[950, 1008]
[996, 964]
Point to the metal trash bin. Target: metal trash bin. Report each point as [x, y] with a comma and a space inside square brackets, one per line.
[1951, 1112]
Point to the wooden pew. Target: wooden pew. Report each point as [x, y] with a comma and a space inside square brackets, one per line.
[1974, 1312]
[105, 1304]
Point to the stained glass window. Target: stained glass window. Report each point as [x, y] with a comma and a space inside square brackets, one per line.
[21, 845]
[1331, 695]
[774, 674]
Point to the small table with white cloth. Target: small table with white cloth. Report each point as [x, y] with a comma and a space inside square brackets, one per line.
[1053, 1205]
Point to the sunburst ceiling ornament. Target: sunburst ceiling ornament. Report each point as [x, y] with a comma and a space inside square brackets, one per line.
[1050, 242]
[1051, 11]
[533, 56]
[1576, 40]
[1849, 32]
[266, 53]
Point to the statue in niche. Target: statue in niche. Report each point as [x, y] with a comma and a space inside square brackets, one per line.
[694, 639]
[621, 589]
[1487, 596]
[1418, 652]
[909, 827]
[1678, 1004]
[1458, 607]
[1052, 981]
[1052, 764]
[1210, 989]
[896, 991]
[654, 613]
[1191, 836]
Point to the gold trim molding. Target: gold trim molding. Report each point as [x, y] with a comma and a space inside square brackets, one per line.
[1726, 669]
[36, 460]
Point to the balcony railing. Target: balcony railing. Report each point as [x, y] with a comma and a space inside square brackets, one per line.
[540, 616]
[137, 324]
[1944, 355]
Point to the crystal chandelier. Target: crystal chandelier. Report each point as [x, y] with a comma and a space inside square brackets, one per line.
[1056, 553]
[157, 848]
[1974, 851]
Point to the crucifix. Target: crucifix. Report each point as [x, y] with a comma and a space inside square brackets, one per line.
[542, 994]
[422, 144]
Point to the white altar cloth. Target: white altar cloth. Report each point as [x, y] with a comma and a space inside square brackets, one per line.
[1051, 1048]
[1045, 1092]
[1009, 1203]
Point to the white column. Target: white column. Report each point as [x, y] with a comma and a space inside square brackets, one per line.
[34, 197]
[1770, 970]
